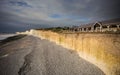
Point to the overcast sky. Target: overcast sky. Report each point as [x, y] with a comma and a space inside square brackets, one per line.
[18, 15]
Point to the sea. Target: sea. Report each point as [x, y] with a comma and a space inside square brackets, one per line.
[4, 36]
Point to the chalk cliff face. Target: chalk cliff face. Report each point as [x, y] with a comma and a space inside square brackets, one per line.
[103, 50]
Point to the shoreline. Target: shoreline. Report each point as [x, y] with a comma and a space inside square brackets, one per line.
[4, 36]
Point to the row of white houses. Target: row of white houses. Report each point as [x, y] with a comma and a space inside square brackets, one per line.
[99, 26]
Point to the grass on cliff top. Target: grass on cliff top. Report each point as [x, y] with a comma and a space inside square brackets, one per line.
[91, 32]
[55, 29]
[10, 39]
[66, 30]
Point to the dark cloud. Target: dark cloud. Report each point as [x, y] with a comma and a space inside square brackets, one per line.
[19, 3]
[95, 9]
[18, 15]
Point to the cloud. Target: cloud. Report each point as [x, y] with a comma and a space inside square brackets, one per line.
[19, 3]
[43, 13]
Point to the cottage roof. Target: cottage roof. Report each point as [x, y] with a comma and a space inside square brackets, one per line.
[103, 23]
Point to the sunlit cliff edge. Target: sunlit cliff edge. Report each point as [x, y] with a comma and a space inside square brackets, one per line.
[103, 50]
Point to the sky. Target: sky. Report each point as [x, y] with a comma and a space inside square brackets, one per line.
[20, 15]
